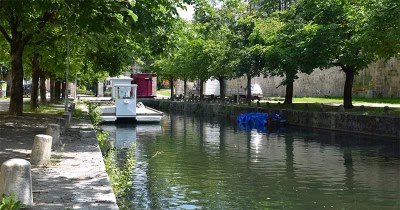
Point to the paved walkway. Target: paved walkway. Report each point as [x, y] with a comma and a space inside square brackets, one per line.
[78, 179]
[4, 104]
[75, 178]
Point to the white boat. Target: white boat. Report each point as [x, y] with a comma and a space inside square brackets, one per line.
[126, 106]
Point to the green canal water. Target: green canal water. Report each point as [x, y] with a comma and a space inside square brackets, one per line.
[188, 162]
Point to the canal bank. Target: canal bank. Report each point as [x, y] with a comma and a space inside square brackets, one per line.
[378, 125]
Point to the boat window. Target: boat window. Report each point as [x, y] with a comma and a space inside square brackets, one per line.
[132, 92]
[125, 92]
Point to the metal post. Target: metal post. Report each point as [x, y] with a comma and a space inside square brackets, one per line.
[76, 86]
[67, 75]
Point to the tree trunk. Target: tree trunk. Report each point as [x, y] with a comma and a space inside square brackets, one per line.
[57, 91]
[171, 86]
[18, 42]
[348, 86]
[289, 93]
[184, 89]
[248, 89]
[201, 90]
[64, 86]
[222, 89]
[17, 87]
[52, 90]
[42, 88]
[35, 80]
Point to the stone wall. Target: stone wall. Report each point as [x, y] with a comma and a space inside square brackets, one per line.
[379, 125]
[321, 83]
[380, 79]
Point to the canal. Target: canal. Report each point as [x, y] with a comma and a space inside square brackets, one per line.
[188, 162]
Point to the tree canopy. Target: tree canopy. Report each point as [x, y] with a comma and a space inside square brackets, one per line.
[226, 39]
[104, 36]
[284, 38]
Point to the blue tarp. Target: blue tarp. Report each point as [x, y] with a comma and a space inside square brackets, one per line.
[257, 121]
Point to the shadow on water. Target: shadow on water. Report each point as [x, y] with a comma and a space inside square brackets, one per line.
[191, 162]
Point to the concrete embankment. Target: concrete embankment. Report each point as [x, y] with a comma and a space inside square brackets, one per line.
[379, 125]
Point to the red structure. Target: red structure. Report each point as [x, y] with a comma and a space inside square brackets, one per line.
[144, 84]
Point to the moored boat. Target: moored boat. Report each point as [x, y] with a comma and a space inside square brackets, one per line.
[126, 106]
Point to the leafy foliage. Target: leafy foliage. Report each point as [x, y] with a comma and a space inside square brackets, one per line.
[382, 28]
[10, 203]
[94, 114]
[120, 175]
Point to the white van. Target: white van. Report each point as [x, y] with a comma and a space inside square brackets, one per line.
[212, 87]
[256, 91]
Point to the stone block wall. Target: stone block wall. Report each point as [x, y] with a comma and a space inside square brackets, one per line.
[380, 79]
[379, 125]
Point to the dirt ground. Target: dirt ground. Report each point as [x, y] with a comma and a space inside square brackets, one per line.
[75, 178]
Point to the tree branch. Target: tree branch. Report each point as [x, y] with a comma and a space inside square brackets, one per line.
[47, 16]
[340, 65]
[40, 42]
[5, 34]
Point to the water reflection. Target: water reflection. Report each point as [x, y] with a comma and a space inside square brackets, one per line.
[208, 163]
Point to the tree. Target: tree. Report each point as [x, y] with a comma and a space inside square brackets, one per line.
[164, 66]
[338, 25]
[251, 63]
[382, 33]
[19, 22]
[248, 59]
[216, 30]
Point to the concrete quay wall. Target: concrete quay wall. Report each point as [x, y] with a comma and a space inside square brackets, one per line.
[379, 125]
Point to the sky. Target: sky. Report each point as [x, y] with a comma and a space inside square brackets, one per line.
[188, 13]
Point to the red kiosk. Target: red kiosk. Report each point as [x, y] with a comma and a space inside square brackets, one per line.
[144, 84]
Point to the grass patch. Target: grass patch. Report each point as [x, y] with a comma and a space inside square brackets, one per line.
[378, 100]
[340, 100]
[43, 109]
[77, 113]
[317, 100]
[164, 92]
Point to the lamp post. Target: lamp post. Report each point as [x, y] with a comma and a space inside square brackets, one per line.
[76, 87]
[67, 75]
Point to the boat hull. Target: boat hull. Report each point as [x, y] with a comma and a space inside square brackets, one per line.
[143, 114]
